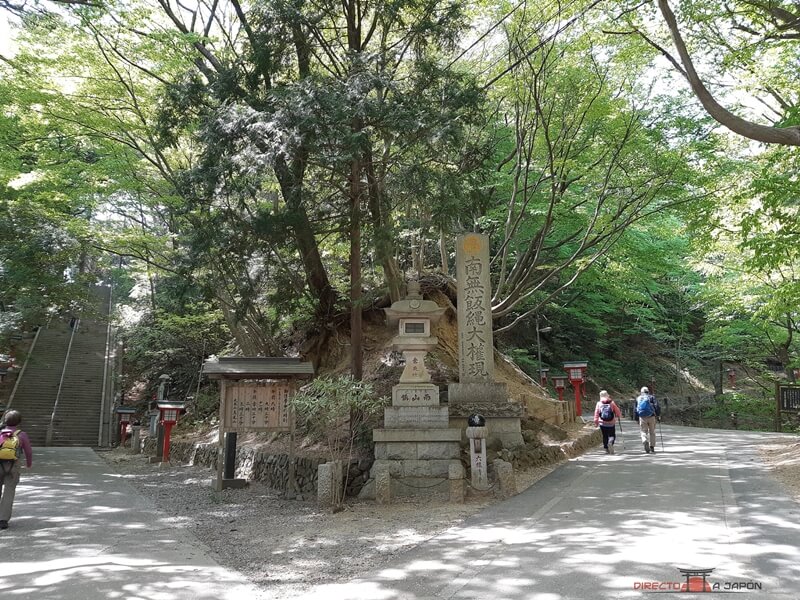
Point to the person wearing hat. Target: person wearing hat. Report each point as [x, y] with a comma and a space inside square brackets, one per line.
[606, 414]
[647, 411]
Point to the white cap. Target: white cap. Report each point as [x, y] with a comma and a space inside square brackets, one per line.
[644, 390]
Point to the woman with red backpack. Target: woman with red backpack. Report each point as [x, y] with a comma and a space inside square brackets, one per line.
[606, 414]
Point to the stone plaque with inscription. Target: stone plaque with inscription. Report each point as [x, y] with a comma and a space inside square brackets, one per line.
[476, 349]
[423, 417]
[409, 394]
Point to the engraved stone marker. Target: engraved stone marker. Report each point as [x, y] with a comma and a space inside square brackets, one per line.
[476, 363]
[476, 390]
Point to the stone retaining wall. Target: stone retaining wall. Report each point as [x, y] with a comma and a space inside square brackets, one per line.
[270, 469]
[532, 455]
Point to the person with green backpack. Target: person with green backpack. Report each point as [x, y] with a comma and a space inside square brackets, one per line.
[13, 444]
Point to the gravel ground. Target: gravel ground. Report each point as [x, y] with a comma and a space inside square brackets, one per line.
[288, 546]
[783, 458]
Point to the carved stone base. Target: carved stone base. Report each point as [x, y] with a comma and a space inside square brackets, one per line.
[485, 392]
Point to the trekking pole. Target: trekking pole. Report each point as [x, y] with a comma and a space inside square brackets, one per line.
[622, 437]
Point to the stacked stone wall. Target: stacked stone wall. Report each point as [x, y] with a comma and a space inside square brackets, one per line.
[270, 469]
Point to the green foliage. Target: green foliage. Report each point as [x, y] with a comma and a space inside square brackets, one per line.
[526, 360]
[752, 413]
[175, 345]
[204, 405]
[210, 172]
[334, 409]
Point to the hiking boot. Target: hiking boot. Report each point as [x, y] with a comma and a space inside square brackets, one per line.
[611, 449]
[3, 524]
[653, 449]
[606, 449]
[647, 447]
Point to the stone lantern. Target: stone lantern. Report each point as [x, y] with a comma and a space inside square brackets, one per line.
[416, 452]
[415, 318]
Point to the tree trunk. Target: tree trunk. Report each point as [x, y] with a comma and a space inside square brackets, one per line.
[357, 357]
[352, 9]
[243, 340]
[290, 181]
[718, 379]
[443, 252]
[384, 234]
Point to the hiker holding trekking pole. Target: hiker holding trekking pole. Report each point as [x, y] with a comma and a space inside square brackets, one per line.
[648, 412]
[606, 415]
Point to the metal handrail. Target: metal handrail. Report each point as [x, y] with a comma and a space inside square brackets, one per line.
[104, 395]
[22, 370]
[51, 424]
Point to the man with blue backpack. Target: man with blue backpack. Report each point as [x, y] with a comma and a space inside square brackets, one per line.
[648, 411]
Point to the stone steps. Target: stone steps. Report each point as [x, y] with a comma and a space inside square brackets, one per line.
[77, 420]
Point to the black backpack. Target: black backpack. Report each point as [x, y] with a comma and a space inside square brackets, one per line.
[606, 412]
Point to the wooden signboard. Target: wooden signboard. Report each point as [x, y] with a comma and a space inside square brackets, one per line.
[787, 397]
[255, 406]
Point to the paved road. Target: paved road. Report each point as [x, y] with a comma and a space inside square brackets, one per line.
[605, 526]
[598, 527]
[79, 532]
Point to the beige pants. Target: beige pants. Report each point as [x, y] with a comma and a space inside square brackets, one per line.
[648, 427]
[8, 487]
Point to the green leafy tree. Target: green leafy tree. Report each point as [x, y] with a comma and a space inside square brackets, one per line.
[336, 410]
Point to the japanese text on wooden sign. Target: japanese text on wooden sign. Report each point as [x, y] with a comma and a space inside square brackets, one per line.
[788, 398]
[257, 406]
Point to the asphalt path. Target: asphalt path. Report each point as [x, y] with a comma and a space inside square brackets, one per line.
[600, 526]
[79, 531]
[619, 526]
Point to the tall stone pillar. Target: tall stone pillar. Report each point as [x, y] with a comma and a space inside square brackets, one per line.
[477, 391]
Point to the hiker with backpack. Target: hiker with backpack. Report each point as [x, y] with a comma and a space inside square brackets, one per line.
[13, 443]
[606, 414]
[648, 412]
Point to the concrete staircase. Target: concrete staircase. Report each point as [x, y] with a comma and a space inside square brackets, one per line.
[78, 411]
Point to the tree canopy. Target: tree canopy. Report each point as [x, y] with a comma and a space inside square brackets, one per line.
[288, 165]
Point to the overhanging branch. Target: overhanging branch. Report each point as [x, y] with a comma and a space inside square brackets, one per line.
[787, 136]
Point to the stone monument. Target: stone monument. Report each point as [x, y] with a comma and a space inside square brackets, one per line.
[477, 391]
[416, 453]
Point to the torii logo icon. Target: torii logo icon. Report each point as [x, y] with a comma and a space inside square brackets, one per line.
[696, 580]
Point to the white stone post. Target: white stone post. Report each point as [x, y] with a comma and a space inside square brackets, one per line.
[505, 478]
[456, 478]
[329, 483]
[136, 445]
[383, 486]
[479, 473]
